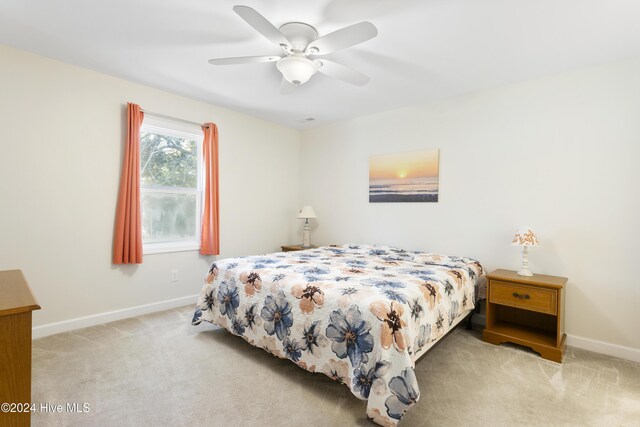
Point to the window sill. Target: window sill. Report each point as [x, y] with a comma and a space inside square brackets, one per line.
[164, 248]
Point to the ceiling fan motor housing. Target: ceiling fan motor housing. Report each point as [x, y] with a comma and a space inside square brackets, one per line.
[299, 34]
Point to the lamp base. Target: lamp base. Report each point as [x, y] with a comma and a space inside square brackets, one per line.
[306, 243]
[525, 272]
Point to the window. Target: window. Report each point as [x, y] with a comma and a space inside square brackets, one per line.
[170, 186]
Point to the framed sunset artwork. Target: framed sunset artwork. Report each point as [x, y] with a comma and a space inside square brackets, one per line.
[404, 177]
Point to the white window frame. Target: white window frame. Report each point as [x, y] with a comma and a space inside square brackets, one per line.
[178, 130]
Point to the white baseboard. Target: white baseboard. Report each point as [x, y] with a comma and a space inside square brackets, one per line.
[110, 316]
[609, 349]
[596, 346]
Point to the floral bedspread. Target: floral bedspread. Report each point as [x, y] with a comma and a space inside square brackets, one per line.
[360, 314]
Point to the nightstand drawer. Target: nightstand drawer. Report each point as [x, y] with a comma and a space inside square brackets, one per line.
[523, 296]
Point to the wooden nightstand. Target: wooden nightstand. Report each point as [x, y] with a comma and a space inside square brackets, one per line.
[292, 248]
[528, 311]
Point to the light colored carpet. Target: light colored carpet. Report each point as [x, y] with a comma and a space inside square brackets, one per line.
[159, 370]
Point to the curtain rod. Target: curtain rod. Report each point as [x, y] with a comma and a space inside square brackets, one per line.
[164, 116]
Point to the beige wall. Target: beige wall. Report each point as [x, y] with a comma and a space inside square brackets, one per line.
[560, 154]
[61, 143]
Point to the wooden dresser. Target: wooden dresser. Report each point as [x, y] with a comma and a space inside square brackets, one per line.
[528, 311]
[16, 304]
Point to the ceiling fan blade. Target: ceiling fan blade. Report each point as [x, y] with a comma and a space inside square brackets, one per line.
[286, 88]
[341, 72]
[343, 38]
[262, 25]
[243, 60]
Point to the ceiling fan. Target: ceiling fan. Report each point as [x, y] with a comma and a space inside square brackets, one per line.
[300, 43]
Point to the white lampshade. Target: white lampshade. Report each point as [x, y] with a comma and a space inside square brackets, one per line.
[297, 69]
[306, 212]
[525, 237]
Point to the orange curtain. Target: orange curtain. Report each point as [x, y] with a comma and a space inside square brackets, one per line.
[210, 237]
[127, 242]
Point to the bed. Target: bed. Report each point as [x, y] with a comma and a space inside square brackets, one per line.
[360, 314]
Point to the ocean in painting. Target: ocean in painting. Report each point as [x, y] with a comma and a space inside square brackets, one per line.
[404, 190]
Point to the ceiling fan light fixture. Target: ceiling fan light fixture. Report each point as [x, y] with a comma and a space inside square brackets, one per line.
[297, 70]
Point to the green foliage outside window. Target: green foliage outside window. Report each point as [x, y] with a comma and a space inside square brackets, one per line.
[168, 161]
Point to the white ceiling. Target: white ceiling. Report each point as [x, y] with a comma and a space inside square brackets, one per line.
[425, 49]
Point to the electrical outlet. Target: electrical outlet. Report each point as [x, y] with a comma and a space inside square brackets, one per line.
[174, 275]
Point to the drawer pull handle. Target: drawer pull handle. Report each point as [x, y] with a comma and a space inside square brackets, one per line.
[521, 296]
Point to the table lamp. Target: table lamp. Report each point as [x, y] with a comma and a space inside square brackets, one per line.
[306, 213]
[525, 237]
